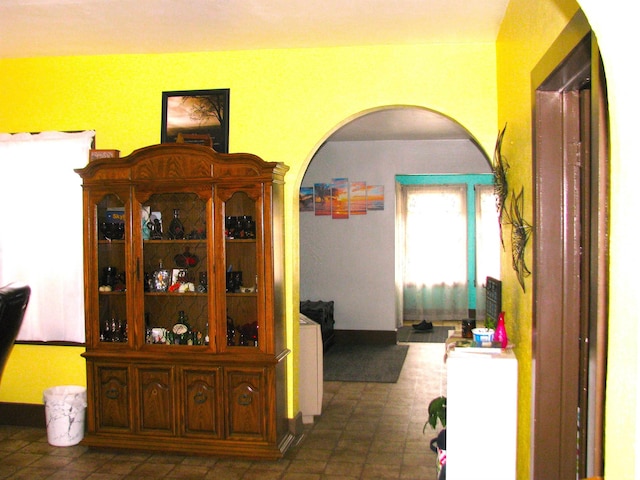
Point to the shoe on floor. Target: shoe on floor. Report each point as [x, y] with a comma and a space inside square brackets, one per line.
[423, 326]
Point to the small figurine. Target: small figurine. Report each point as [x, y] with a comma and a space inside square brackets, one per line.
[155, 228]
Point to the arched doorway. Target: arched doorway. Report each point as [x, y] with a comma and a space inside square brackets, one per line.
[351, 259]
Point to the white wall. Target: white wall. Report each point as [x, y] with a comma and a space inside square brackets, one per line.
[615, 24]
[351, 261]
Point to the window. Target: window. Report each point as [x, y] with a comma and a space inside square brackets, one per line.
[41, 229]
[487, 243]
[436, 235]
[448, 236]
[435, 246]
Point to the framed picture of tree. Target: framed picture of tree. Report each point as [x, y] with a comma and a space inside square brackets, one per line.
[196, 114]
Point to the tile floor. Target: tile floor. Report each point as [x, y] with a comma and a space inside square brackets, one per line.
[366, 431]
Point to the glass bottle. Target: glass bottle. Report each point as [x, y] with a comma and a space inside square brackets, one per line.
[239, 228]
[115, 330]
[202, 286]
[250, 227]
[176, 228]
[231, 332]
[105, 335]
[181, 329]
[500, 334]
[109, 276]
[161, 279]
[229, 226]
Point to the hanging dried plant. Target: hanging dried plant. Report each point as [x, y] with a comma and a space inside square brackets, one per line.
[520, 233]
[501, 187]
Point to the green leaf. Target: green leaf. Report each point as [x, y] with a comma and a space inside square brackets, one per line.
[438, 411]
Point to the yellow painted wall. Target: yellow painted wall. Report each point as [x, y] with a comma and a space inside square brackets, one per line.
[283, 104]
[32, 369]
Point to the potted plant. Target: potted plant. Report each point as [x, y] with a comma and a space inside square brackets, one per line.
[490, 323]
[438, 412]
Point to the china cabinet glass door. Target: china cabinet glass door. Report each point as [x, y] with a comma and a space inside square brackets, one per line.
[175, 260]
[243, 275]
[111, 281]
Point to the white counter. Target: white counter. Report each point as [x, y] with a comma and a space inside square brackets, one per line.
[310, 369]
[482, 414]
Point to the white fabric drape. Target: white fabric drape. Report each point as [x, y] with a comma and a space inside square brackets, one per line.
[41, 229]
[399, 255]
[487, 244]
[435, 252]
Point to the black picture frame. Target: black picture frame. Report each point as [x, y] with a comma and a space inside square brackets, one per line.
[194, 114]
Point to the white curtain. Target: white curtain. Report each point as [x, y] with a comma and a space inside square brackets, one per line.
[41, 229]
[434, 220]
[487, 244]
[399, 255]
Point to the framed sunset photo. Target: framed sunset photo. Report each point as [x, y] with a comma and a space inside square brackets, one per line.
[196, 114]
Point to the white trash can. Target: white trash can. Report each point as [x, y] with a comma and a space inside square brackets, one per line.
[64, 409]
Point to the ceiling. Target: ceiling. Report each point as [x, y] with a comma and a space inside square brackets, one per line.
[34, 28]
[401, 123]
[95, 27]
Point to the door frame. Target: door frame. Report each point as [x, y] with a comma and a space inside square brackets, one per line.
[570, 258]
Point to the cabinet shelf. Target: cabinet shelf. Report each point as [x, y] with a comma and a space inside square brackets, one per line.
[176, 294]
[176, 347]
[184, 241]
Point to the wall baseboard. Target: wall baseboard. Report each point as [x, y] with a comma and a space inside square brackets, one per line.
[22, 415]
[367, 337]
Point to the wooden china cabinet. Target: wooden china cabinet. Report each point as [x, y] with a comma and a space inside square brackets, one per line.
[185, 333]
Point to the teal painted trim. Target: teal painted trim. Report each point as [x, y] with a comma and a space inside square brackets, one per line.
[471, 244]
[446, 179]
[471, 180]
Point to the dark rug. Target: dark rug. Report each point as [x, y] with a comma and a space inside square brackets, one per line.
[364, 363]
[410, 334]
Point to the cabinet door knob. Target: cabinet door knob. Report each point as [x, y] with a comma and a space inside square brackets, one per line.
[245, 399]
[112, 393]
[199, 398]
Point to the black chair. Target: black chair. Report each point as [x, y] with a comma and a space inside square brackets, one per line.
[13, 303]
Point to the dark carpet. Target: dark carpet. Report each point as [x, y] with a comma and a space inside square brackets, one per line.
[364, 363]
[410, 334]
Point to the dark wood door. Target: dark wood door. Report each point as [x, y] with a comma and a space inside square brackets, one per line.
[570, 264]
[202, 399]
[112, 398]
[156, 404]
[246, 403]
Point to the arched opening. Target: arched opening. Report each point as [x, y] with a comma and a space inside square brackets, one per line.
[349, 256]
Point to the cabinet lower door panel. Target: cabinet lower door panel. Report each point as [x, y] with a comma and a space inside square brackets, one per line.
[202, 405]
[112, 399]
[156, 400]
[246, 404]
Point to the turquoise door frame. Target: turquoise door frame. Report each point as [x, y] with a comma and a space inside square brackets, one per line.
[470, 180]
